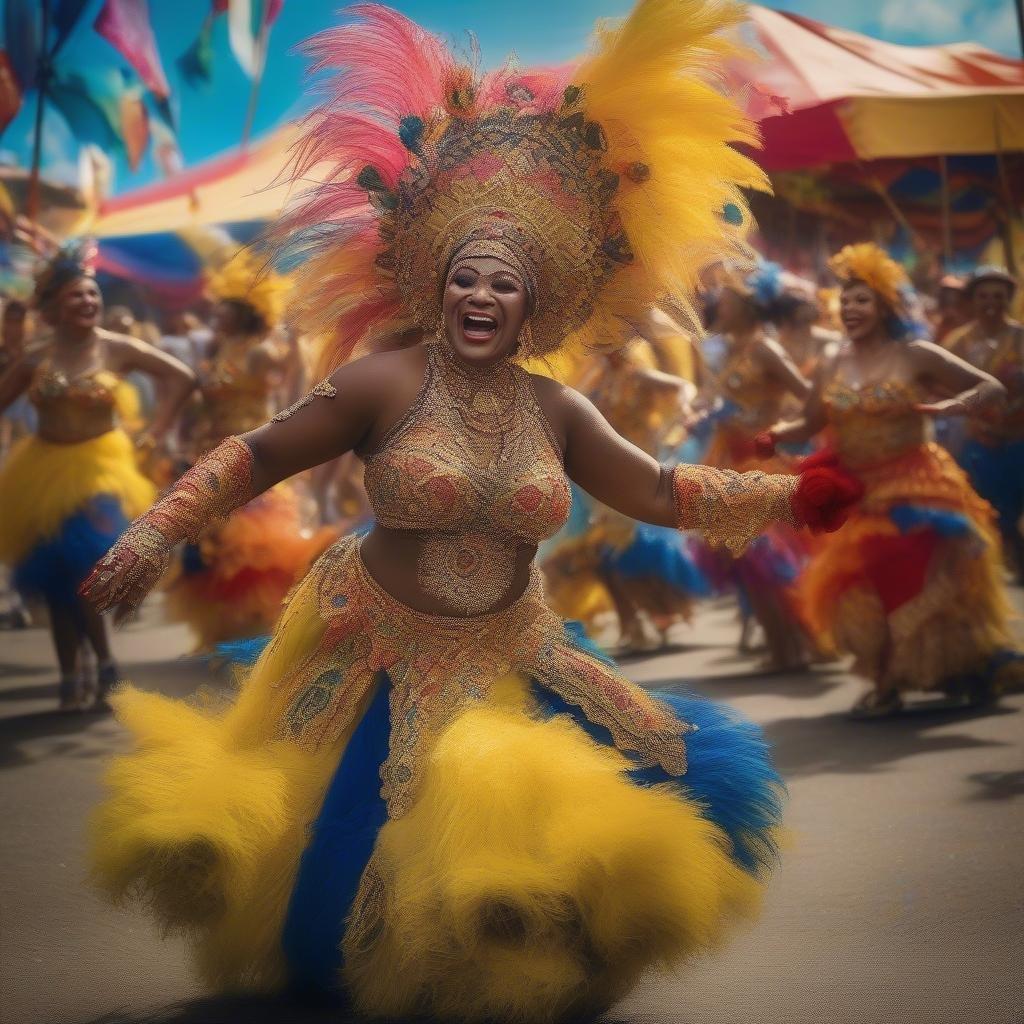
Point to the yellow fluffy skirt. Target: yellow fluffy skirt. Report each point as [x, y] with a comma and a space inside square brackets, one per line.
[531, 878]
[42, 484]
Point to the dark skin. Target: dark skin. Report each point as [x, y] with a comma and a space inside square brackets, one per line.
[81, 345]
[375, 392]
[737, 318]
[990, 303]
[873, 356]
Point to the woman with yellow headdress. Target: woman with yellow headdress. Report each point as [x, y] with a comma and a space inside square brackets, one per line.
[68, 490]
[912, 586]
[430, 795]
[233, 580]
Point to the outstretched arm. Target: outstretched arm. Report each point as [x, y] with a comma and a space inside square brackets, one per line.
[338, 414]
[727, 507]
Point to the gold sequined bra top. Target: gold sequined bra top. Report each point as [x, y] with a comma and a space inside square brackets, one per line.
[73, 409]
[475, 470]
[757, 394]
[875, 423]
[235, 400]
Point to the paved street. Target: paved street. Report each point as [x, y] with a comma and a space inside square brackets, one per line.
[901, 899]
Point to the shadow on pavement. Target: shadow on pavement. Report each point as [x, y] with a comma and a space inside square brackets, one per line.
[251, 1010]
[18, 730]
[997, 785]
[232, 1010]
[837, 743]
[780, 684]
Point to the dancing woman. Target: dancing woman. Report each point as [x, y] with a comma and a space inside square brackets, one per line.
[648, 573]
[994, 452]
[68, 491]
[234, 578]
[911, 587]
[429, 794]
[751, 385]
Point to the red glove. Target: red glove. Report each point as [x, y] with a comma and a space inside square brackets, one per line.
[764, 444]
[825, 494]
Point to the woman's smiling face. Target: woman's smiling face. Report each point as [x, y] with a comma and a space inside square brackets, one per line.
[484, 307]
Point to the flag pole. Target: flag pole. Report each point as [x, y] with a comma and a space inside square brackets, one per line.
[262, 41]
[42, 79]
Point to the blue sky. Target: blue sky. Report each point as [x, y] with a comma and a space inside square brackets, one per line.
[211, 120]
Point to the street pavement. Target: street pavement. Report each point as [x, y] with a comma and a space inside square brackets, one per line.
[900, 899]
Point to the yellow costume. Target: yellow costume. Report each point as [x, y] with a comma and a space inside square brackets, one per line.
[232, 583]
[470, 814]
[63, 500]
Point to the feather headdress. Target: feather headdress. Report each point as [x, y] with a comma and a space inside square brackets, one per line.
[872, 265]
[74, 259]
[609, 184]
[243, 278]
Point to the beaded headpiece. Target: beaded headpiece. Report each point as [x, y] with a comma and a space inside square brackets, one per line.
[244, 278]
[607, 185]
[74, 259]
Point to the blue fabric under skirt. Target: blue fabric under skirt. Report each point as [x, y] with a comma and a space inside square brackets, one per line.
[997, 474]
[660, 553]
[729, 774]
[55, 568]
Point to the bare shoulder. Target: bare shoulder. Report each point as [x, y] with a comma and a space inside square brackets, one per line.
[925, 351]
[397, 369]
[120, 347]
[381, 388]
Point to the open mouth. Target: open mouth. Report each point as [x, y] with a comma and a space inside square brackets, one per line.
[479, 327]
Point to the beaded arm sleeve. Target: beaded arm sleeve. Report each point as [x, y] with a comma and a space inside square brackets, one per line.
[729, 508]
[213, 488]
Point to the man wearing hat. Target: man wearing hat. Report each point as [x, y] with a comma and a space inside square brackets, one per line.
[994, 452]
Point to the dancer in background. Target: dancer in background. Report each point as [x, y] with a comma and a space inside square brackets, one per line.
[649, 574]
[67, 492]
[993, 453]
[753, 378]
[797, 317]
[431, 796]
[234, 577]
[911, 587]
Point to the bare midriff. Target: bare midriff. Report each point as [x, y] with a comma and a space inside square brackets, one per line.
[396, 559]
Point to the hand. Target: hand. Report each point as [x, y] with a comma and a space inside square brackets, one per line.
[764, 444]
[947, 407]
[128, 571]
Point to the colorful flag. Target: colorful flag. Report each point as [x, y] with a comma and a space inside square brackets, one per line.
[65, 17]
[10, 94]
[21, 40]
[125, 25]
[134, 126]
[249, 24]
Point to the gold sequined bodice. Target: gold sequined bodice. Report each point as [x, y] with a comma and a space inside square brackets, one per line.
[756, 394]
[637, 411]
[475, 473]
[235, 400]
[73, 409]
[877, 422]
